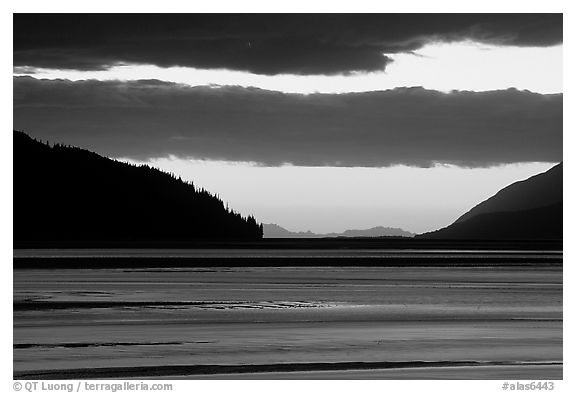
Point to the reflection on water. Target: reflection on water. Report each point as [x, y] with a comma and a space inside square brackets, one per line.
[65, 319]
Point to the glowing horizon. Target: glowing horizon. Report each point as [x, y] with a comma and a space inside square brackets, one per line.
[367, 200]
[333, 199]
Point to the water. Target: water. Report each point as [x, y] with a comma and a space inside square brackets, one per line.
[505, 320]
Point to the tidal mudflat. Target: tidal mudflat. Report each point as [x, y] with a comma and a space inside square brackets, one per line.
[477, 321]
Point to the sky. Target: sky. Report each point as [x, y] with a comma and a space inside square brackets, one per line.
[313, 122]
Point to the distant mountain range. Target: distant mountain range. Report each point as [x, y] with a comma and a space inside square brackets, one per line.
[528, 209]
[276, 231]
[65, 194]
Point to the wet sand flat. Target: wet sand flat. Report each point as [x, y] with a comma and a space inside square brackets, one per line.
[509, 318]
[526, 372]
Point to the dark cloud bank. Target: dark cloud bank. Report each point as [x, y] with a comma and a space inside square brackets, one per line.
[411, 126]
[260, 43]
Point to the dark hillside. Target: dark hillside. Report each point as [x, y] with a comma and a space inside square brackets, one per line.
[67, 194]
[542, 223]
[526, 210]
[544, 189]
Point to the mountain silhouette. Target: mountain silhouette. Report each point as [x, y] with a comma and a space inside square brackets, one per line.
[276, 231]
[65, 194]
[528, 209]
[544, 189]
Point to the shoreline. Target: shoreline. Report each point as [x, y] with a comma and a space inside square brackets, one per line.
[286, 259]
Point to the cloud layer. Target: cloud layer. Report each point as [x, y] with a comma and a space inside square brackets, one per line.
[410, 126]
[260, 43]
